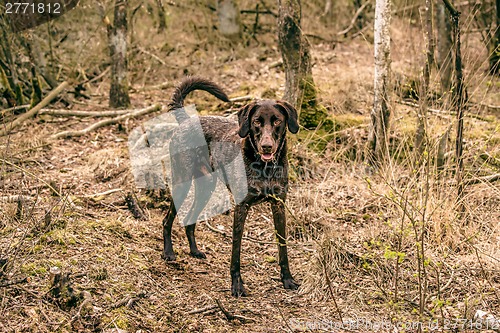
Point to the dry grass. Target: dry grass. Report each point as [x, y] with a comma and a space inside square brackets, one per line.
[355, 235]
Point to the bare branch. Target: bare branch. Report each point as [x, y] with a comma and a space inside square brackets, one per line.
[31, 113]
[106, 122]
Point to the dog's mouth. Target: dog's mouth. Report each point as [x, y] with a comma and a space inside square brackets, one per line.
[267, 157]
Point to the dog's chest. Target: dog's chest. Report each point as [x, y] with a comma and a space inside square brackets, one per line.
[267, 182]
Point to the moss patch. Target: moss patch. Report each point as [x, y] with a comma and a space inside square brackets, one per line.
[312, 114]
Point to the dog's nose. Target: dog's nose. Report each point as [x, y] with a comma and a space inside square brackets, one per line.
[267, 147]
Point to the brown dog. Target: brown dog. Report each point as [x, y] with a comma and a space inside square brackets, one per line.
[260, 138]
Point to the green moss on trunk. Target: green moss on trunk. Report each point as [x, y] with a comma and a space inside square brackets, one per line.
[312, 114]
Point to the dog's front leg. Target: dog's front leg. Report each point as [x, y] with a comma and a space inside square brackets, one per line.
[240, 215]
[279, 217]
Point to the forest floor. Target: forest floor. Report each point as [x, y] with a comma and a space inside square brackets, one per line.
[340, 214]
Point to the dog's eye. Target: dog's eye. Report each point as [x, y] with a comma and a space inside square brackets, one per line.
[256, 123]
[277, 122]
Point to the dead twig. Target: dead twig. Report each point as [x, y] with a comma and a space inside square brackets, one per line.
[7, 128]
[205, 309]
[130, 300]
[152, 55]
[242, 98]
[230, 316]
[485, 179]
[74, 113]
[15, 198]
[103, 193]
[14, 282]
[446, 113]
[353, 20]
[98, 76]
[14, 108]
[330, 288]
[106, 122]
[248, 238]
[284, 320]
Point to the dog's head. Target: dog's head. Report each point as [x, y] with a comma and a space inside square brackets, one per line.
[266, 122]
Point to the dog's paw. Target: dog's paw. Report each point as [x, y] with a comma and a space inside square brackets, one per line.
[198, 254]
[290, 284]
[237, 289]
[169, 256]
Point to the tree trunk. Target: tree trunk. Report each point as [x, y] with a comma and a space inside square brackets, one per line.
[300, 90]
[229, 19]
[162, 17]
[424, 87]
[444, 47]
[459, 99]
[494, 58]
[117, 34]
[378, 138]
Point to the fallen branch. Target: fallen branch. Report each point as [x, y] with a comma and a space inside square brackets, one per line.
[242, 98]
[14, 108]
[253, 11]
[488, 106]
[485, 179]
[154, 56]
[129, 301]
[15, 198]
[64, 113]
[7, 128]
[102, 123]
[205, 309]
[102, 193]
[444, 113]
[277, 63]
[98, 76]
[490, 159]
[248, 238]
[14, 282]
[230, 316]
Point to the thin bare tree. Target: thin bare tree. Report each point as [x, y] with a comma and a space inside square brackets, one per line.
[459, 99]
[444, 47]
[380, 114]
[494, 57]
[421, 133]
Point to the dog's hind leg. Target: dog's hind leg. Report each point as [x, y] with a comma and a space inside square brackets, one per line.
[179, 192]
[204, 187]
[168, 250]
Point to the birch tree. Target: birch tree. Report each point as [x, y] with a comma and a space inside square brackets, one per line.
[117, 36]
[380, 114]
[229, 19]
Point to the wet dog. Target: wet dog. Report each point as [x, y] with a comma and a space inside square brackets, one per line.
[259, 139]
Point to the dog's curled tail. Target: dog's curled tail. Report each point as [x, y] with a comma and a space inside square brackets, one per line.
[188, 85]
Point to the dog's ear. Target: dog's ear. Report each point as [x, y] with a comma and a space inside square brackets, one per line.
[244, 115]
[291, 114]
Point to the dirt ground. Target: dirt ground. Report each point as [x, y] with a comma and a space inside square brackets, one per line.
[338, 209]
